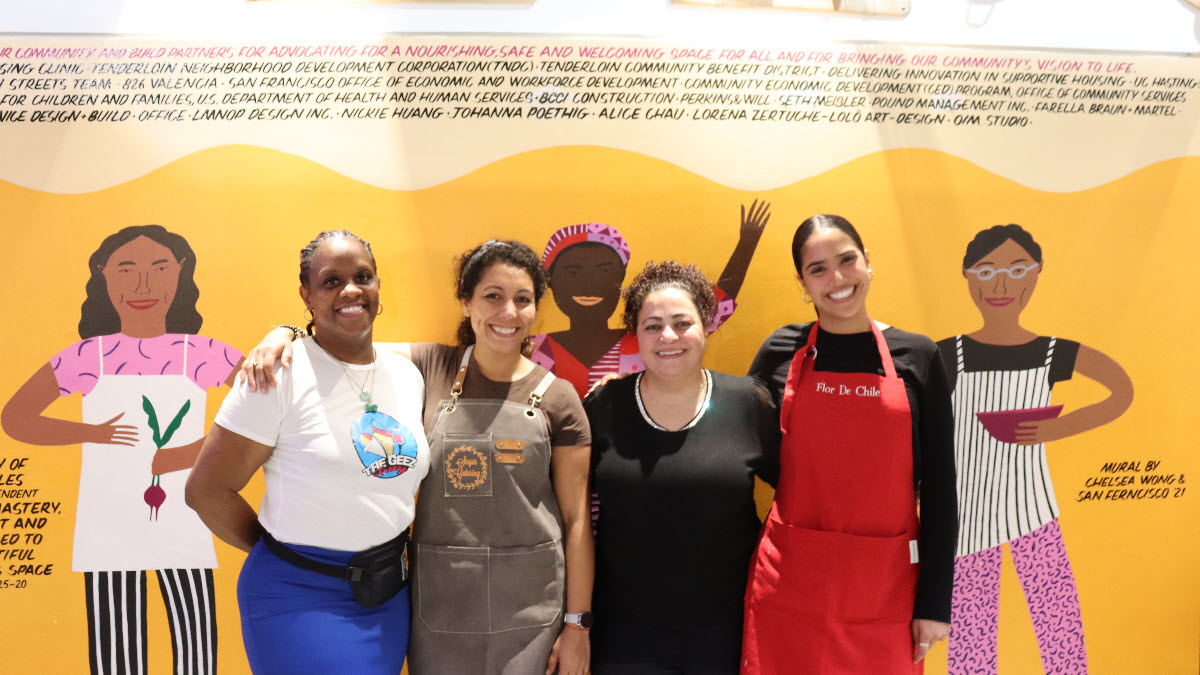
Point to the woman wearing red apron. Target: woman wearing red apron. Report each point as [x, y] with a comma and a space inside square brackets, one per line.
[846, 579]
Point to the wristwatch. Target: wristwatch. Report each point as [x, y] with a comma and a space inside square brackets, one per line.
[582, 620]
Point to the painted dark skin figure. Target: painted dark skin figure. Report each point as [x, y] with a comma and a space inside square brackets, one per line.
[586, 266]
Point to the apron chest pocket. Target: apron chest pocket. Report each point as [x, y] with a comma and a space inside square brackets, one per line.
[466, 468]
[489, 590]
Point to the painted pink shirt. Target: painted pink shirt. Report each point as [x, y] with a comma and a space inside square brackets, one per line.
[209, 362]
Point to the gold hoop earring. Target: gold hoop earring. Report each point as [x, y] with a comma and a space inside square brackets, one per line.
[379, 310]
[871, 274]
[310, 314]
[806, 297]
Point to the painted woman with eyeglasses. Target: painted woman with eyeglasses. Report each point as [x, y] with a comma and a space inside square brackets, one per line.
[1005, 494]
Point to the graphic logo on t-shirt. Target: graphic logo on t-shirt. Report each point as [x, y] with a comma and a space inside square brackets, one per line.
[386, 447]
[466, 467]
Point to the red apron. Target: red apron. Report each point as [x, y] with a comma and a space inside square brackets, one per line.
[834, 578]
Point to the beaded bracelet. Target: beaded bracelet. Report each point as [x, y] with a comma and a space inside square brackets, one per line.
[297, 332]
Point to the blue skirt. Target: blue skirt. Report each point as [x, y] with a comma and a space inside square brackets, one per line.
[297, 621]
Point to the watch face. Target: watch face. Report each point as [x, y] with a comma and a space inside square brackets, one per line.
[586, 620]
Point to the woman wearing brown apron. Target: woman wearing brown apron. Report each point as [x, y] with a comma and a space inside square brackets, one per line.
[502, 551]
[846, 578]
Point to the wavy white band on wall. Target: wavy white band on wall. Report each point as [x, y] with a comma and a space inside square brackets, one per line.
[78, 115]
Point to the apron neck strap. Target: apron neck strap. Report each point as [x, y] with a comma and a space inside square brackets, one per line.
[457, 387]
[801, 359]
[535, 396]
[885, 354]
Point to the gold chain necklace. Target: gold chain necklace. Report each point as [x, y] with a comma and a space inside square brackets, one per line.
[365, 386]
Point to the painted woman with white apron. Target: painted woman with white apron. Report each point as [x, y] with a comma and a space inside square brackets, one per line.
[1002, 375]
[144, 377]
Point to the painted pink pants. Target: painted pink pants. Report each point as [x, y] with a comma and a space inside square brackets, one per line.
[1041, 562]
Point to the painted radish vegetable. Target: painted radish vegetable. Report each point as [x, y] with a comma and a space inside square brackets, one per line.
[154, 495]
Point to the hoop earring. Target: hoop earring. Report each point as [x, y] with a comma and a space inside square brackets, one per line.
[806, 297]
[380, 310]
[871, 274]
[310, 314]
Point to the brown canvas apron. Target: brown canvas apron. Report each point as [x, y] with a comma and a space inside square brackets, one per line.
[488, 572]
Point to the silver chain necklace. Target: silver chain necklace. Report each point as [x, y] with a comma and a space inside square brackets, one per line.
[637, 395]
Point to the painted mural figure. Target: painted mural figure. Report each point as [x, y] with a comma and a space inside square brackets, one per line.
[586, 264]
[1001, 377]
[143, 372]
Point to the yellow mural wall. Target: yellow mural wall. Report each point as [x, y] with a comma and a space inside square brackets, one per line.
[1117, 276]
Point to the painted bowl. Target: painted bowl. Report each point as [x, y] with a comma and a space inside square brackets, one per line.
[1002, 424]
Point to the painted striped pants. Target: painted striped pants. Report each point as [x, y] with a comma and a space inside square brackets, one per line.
[116, 609]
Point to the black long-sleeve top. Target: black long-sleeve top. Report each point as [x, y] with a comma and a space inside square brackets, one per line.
[919, 363]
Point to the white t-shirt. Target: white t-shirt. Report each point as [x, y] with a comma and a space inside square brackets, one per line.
[339, 477]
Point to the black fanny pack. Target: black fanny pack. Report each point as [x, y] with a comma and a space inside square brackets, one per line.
[375, 575]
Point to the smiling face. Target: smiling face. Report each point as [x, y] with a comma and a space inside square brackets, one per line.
[502, 309]
[671, 338]
[587, 281]
[343, 294]
[836, 274]
[141, 277]
[1001, 298]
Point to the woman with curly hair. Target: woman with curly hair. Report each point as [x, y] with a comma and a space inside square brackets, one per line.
[585, 266]
[675, 450]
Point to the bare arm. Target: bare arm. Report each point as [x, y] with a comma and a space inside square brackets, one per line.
[257, 369]
[258, 366]
[23, 420]
[753, 222]
[569, 467]
[226, 463]
[1097, 366]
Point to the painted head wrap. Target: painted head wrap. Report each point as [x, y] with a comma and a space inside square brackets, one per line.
[570, 235]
